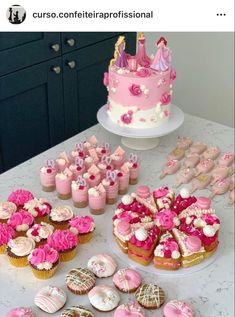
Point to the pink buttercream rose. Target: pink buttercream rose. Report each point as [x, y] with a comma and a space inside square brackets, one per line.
[62, 240]
[106, 79]
[143, 72]
[83, 224]
[127, 117]
[160, 192]
[43, 254]
[165, 98]
[172, 75]
[20, 197]
[20, 218]
[135, 90]
[166, 219]
[6, 233]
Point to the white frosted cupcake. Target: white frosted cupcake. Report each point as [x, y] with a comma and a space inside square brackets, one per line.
[60, 216]
[40, 232]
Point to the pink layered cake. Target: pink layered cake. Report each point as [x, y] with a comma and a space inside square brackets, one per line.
[140, 88]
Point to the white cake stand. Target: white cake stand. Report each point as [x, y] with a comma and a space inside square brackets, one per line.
[142, 139]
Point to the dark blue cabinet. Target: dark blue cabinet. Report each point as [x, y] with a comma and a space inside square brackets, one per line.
[50, 89]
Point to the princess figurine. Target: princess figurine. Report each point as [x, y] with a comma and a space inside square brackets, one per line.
[162, 58]
[141, 55]
[120, 59]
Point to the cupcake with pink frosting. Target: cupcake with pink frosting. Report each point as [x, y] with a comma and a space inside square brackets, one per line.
[39, 209]
[63, 182]
[97, 199]
[7, 208]
[60, 216]
[21, 221]
[44, 261]
[6, 234]
[40, 232]
[20, 312]
[47, 176]
[65, 242]
[111, 186]
[19, 197]
[82, 226]
[80, 192]
[123, 180]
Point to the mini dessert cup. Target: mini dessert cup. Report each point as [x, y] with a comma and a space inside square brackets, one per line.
[97, 199]
[90, 143]
[39, 209]
[123, 180]
[63, 161]
[60, 216]
[47, 176]
[82, 226]
[80, 193]
[7, 208]
[6, 234]
[105, 165]
[92, 176]
[21, 221]
[111, 186]
[19, 197]
[63, 184]
[65, 242]
[44, 261]
[118, 157]
[103, 150]
[40, 232]
[18, 250]
[77, 170]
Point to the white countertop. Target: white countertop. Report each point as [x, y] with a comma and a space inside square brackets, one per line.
[210, 291]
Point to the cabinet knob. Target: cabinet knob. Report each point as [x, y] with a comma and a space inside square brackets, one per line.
[55, 47]
[70, 42]
[56, 69]
[71, 64]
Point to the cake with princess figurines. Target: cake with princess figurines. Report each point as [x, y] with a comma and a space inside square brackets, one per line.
[139, 87]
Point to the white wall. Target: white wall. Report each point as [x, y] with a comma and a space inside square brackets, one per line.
[204, 63]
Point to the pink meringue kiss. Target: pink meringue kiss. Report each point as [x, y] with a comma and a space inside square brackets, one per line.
[212, 153]
[191, 160]
[171, 167]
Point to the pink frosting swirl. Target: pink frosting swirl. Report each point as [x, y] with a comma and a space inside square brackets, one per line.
[165, 98]
[135, 90]
[166, 219]
[20, 196]
[172, 75]
[62, 240]
[21, 218]
[42, 254]
[83, 224]
[6, 233]
[143, 72]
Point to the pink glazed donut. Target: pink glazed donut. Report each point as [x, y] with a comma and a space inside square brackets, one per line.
[176, 308]
[127, 280]
[20, 312]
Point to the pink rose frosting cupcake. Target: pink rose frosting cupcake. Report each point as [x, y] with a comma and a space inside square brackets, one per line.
[39, 209]
[47, 176]
[65, 242]
[82, 226]
[123, 180]
[6, 234]
[177, 308]
[92, 176]
[97, 199]
[80, 193]
[21, 221]
[19, 197]
[44, 261]
[7, 208]
[20, 312]
[63, 182]
[60, 216]
[111, 186]
[40, 232]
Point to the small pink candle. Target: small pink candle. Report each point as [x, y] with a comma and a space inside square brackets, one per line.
[132, 64]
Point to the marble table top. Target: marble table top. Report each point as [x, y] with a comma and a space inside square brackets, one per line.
[209, 291]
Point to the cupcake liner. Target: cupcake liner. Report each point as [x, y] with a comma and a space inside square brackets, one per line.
[68, 255]
[3, 249]
[44, 274]
[18, 261]
[20, 234]
[85, 237]
[41, 219]
[61, 226]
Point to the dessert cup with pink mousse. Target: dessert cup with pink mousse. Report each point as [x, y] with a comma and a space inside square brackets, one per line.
[78, 152]
[6, 234]
[47, 176]
[78, 168]
[103, 150]
[118, 157]
[111, 186]
[123, 180]
[65, 242]
[7, 208]
[105, 165]
[21, 221]
[97, 199]
[80, 193]
[63, 161]
[134, 167]
[82, 226]
[63, 184]
[92, 176]
[39, 209]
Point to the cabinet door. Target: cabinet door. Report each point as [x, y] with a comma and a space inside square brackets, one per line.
[84, 92]
[21, 49]
[31, 112]
[75, 40]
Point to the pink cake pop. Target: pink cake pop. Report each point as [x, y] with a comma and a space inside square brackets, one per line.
[184, 142]
[184, 176]
[226, 159]
[232, 197]
[191, 160]
[232, 169]
[198, 147]
[200, 182]
[232, 182]
[205, 166]
[176, 154]
[171, 167]
[211, 153]
[220, 187]
[218, 173]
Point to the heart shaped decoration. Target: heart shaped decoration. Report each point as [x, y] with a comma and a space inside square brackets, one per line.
[133, 158]
[79, 161]
[81, 181]
[79, 146]
[50, 163]
[111, 175]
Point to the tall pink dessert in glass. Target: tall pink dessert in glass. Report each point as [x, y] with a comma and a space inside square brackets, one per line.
[134, 167]
[47, 176]
[123, 180]
[92, 176]
[118, 157]
[62, 162]
[78, 168]
[63, 184]
[105, 165]
[97, 199]
[110, 184]
[80, 192]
